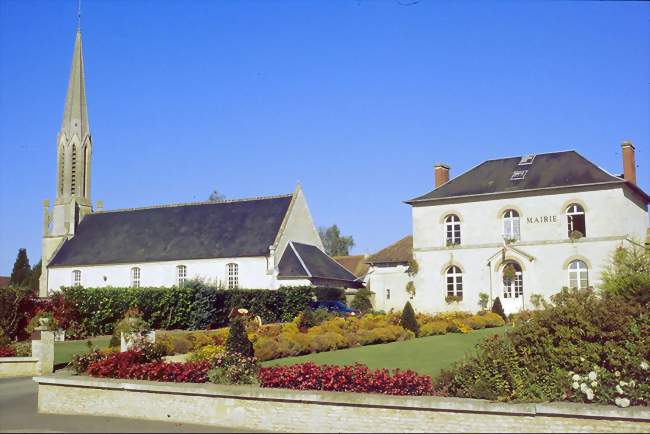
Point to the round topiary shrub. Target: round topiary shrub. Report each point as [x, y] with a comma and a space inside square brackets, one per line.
[408, 320]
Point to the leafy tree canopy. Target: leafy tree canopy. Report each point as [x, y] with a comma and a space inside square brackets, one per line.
[22, 272]
[335, 244]
[216, 196]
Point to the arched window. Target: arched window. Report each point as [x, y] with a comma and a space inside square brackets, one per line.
[181, 275]
[135, 277]
[454, 282]
[233, 276]
[578, 275]
[576, 224]
[76, 277]
[513, 280]
[452, 229]
[511, 226]
[387, 294]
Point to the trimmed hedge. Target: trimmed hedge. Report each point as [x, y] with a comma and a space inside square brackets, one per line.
[95, 311]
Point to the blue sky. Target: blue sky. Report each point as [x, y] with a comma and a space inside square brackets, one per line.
[354, 99]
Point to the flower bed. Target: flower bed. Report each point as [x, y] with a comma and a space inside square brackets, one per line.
[354, 378]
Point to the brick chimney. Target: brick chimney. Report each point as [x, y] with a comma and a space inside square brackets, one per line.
[442, 174]
[629, 164]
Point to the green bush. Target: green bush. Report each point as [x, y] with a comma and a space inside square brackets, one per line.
[408, 320]
[238, 342]
[628, 274]
[233, 368]
[498, 309]
[15, 307]
[195, 306]
[577, 333]
[361, 300]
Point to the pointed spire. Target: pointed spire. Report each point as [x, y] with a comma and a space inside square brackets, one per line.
[75, 113]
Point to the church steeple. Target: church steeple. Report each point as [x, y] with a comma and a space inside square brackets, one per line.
[75, 112]
[74, 140]
[74, 152]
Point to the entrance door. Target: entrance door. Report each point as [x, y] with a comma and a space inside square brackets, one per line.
[513, 287]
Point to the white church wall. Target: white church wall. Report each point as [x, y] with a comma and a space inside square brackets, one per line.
[252, 273]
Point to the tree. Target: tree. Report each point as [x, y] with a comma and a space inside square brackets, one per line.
[216, 196]
[628, 274]
[361, 300]
[22, 272]
[335, 244]
[409, 321]
[498, 309]
[36, 275]
[238, 341]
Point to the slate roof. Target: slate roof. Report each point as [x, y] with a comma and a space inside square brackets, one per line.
[226, 229]
[305, 260]
[355, 264]
[398, 252]
[550, 170]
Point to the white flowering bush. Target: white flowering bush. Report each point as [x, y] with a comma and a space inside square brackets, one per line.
[605, 387]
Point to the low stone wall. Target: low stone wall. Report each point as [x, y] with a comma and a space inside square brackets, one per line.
[253, 408]
[19, 367]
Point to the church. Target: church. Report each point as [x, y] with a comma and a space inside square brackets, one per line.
[261, 243]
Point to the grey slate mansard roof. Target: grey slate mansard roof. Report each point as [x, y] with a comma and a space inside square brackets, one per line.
[304, 260]
[550, 170]
[226, 229]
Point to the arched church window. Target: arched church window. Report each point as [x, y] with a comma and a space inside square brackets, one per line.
[135, 277]
[73, 172]
[511, 225]
[578, 275]
[454, 282]
[232, 271]
[181, 275]
[452, 229]
[576, 224]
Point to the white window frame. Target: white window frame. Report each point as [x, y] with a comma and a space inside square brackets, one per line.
[232, 275]
[454, 282]
[578, 274]
[575, 209]
[135, 277]
[76, 277]
[453, 230]
[516, 287]
[181, 275]
[511, 225]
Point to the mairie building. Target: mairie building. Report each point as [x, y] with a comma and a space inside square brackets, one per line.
[262, 243]
[516, 228]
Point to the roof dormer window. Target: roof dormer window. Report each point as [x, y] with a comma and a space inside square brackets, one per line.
[526, 160]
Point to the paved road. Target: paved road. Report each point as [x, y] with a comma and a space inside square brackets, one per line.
[18, 398]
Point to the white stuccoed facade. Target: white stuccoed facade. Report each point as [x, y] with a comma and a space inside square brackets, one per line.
[544, 251]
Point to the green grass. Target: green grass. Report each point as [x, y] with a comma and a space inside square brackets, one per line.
[426, 356]
[63, 351]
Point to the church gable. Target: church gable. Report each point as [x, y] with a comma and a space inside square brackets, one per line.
[228, 229]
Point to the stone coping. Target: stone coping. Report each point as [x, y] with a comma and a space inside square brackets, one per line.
[18, 359]
[422, 403]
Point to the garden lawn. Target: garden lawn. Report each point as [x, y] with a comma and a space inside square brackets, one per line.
[63, 351]
[426, 356]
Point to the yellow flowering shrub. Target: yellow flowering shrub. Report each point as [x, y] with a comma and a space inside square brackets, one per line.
[207, 352]
[434, 328]
[475, 322]
[493, 320]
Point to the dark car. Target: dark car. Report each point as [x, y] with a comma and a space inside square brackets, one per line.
[337, 307]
